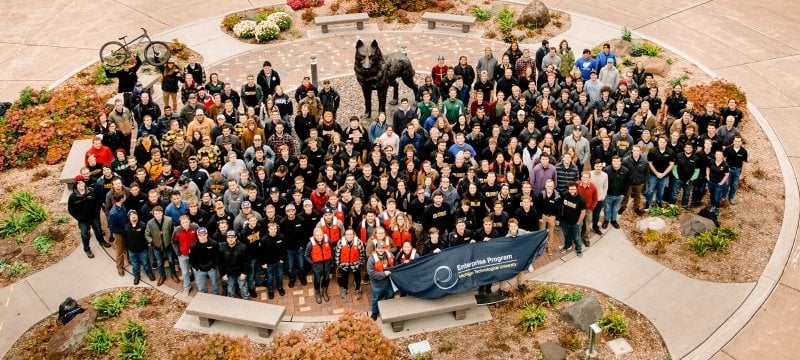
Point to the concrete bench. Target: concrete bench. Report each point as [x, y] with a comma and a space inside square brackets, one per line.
[148, 81]
[433, 18]
[73, 165]
[358, 18]
[264, 317]
[399, 309]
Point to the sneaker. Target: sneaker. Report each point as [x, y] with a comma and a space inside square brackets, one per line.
[175, 278]
[580, 254]
[136, 281]
[344, 294]
[151, 277]
[605, 224]
[597, 231]
[121, 272]
[186, 292]
[253, 293]
[621, 210]
[374, 316]
[160, 281]
[270, 294]
[358, 294]
[615, 224]
[105, 244]
[731, 201]
[587, 243]
[291, 284]
[563, 250]
[89, 254]
[281, 292]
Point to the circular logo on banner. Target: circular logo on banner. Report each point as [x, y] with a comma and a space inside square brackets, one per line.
[443, 277]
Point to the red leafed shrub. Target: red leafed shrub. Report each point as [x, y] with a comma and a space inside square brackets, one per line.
[354, 336]
[217, 346]
[41, 125]
[444, 5]
[302, 4]
[718, 92]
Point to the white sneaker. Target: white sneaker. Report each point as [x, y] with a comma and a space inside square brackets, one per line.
[186, 292]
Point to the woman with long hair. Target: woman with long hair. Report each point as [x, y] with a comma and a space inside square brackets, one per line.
[567, 58]
[402, 230]
[171, 78]
[214, 85]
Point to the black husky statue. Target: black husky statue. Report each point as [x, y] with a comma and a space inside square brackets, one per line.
[375, 71]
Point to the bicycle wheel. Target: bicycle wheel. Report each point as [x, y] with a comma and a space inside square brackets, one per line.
[113, 53]
[156, 53]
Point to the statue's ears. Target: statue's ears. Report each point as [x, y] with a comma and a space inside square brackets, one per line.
[359, 44]
[375, 44]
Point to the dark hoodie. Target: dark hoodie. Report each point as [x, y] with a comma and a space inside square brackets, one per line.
[83, 206]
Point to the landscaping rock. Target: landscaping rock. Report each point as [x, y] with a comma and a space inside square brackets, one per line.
[535, 13]
[29, 254]
[552, 351]
[650, 223]
[692, 224]
[621, 47]
[656, 65]
[71, 338]
[9, 249]
[583, 313]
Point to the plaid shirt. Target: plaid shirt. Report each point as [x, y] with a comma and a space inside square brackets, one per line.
[275, 141]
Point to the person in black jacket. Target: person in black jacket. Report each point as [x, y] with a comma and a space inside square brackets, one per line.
[82, 206]
[135, 242]
[329, 98]
[438, 214]
[617, 187]
[203, 256]
[127, 77]
[434, 245]
[294, 230]
[638, 172]
[272, 256]
[233, 263]
[268, 79]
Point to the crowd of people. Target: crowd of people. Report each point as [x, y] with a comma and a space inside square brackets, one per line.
[253, 186]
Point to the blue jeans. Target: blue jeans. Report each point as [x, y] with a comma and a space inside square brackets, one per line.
[164, 255]
[183, 262]
[84, 228]
[572, 235]
[699, 191]
[138, 261]
[200, 278]
[380, 293]
[296, 261]
[231, 284]
[274, 277]
[255, 273]
[655, 186]
[613, 203]
[715, 191]
[729, 191]
[677, 185]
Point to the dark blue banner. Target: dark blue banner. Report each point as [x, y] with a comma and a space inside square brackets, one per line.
[468, 266]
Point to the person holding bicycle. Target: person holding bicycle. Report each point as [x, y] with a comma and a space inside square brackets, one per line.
[127, 77]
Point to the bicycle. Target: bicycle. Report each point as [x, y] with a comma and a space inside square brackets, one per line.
[115, 53]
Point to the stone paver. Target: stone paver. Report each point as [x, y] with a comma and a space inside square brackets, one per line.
[21, 309]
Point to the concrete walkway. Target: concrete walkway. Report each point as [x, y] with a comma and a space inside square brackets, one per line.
[745, 42]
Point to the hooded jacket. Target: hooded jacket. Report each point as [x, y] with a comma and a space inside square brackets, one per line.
[83, 206]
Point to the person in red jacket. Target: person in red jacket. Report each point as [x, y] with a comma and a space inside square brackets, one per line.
[439, 71]
[319, 254]
[588, 192]
[102, 153]
[183, 237]
[402, 230]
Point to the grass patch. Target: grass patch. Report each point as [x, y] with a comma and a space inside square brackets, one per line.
[43, 244]
[533, 317]
[109, 306]
[547, 295]
[480, 14]
[18, 268]
[613, 322]
[712, 240]
[99, 340]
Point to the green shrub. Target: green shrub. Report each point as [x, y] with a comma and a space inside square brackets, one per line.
[480, 13]
[267, 31]
[61, 220]
[572, 296]
[99, 76]
[505, 20]
[43, 244]
[613, 322]
[30, 97]
[650, 236]
[3, 265]
[678, 80]
[626, 34]
[547, 295]
[712, 240]
[132, 342]
[99, 340]
[18, 268]
[669, 61]
[533, 317]
[109, 306]
[11, 225]
[645, 49]
[670, 211]
[143, 301]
